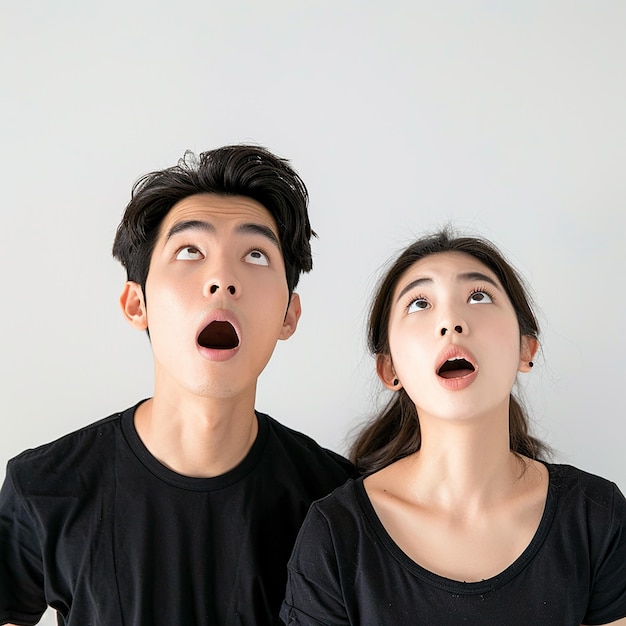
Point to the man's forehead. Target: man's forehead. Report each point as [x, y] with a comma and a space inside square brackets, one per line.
[213, 212]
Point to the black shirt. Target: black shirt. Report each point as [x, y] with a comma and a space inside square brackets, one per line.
[94, 526]
[346, 569]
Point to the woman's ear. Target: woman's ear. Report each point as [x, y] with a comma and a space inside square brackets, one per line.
[134, 306]
[290, 323]
[386, 372]
[528, 348]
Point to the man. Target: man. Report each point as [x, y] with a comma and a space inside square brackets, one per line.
[183, 509]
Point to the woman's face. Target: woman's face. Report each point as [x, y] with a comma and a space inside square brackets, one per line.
[454, 338]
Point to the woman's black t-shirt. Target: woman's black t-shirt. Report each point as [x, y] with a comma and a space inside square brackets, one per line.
[346, 569]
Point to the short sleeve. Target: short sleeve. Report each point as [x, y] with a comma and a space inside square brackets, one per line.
[313, 596]
[22, 597]
[608, 592]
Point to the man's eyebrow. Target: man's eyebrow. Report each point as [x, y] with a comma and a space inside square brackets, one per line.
[465, 277]
[180, 227]
[252, 228]
[245, 229]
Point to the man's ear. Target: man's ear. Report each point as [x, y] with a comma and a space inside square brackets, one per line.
[386, 372]
[290, 323]
[528, 348]
[134, 306]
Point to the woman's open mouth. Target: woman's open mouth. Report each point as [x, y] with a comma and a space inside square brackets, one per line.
[456, 367]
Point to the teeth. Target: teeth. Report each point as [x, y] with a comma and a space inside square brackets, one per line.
[454, 365]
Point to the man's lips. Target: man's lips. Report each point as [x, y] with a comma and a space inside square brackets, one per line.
[455, 362]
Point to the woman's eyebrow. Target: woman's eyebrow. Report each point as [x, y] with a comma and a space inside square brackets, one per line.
[464, 277]
[412, 285]
[474, 276]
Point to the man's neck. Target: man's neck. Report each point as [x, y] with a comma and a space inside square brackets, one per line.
[200, 437]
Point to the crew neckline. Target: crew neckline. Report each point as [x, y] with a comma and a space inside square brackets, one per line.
[456, 586]
[247, 464]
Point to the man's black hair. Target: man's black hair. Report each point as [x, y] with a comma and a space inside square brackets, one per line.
[242, 170]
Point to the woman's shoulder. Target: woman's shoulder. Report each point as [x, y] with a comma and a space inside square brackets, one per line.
[344, 500]
[594, 497]
[587, 484]
[332, 520]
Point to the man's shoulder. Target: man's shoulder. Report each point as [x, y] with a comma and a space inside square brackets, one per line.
[303, 450]
[66, 456]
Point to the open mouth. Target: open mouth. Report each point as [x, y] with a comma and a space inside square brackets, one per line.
[456, 367]
[219, 336]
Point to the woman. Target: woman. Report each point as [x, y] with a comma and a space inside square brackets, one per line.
[457, 519]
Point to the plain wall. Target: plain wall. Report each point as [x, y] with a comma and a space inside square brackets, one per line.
[503, 118]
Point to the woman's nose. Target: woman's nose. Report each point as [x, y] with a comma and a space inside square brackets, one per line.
[458, 329]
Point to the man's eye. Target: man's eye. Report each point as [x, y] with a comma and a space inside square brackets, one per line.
[480, 297]
[419, 304]
[257, 257]
[189, 253]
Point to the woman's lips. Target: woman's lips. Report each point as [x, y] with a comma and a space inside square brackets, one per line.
[456, 368]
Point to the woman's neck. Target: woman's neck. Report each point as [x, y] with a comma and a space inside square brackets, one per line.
[464, 464]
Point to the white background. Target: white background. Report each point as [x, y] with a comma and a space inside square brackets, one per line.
[503, 118]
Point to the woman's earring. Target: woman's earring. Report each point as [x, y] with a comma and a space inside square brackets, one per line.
[395, 382]
[531, 364]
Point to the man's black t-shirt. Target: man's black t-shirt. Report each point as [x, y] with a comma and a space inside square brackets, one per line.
[94, 526]
[346, 569]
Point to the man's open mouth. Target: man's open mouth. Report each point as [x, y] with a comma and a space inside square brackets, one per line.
[219, 336]
[456, 367]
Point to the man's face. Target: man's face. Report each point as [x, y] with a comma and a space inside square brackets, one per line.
[216, 296]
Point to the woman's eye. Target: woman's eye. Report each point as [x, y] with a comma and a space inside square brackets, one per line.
[480, 297]
[419, 304]
[256, 257]
[189, 253]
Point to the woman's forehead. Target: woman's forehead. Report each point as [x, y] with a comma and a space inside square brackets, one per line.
[446, 264]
